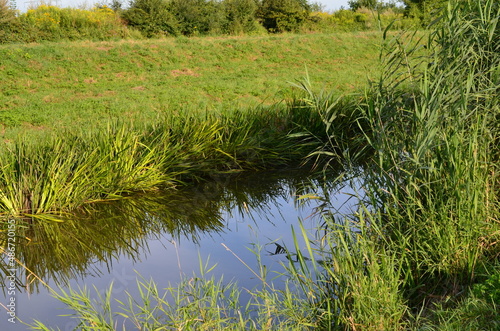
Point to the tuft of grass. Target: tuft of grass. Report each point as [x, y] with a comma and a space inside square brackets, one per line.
[62, 172]
[197, 302]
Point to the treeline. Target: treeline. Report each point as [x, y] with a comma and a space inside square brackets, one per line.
[152, 18]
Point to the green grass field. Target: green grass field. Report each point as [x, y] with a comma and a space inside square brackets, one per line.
[74, 84]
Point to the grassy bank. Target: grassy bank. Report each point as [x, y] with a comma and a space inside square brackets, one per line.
[66, 85]
[422, 250]
[88, 121]
[60, 172]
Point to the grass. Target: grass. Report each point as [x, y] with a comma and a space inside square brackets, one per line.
[59, 174]
[91, 121]
[477, 310]
[68, 85]
[197, 303]
[429, 220]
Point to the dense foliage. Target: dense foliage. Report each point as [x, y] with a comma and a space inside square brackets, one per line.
[54, 23]
[153, 18]
[282, 15]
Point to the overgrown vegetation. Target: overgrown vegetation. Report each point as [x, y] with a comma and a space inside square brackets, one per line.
[156, 18]
[430, 220]
[52, 23]
[427, 226]
[58, 174]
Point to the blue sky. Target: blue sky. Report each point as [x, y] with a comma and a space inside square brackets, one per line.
[333, 4]
[330, 5]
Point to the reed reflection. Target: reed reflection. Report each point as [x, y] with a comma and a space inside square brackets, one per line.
[102, 232]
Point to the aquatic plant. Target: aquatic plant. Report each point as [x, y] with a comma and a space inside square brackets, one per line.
[60, 173]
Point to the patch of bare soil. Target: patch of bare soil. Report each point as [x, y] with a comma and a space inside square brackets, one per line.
[184, 72]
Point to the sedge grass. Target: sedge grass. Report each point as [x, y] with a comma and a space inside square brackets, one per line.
[64, 171]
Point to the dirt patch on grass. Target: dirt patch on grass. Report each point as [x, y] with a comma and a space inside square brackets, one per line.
[184, 72]
[90, 80]
[34, 64]
[105, 94]
[92, 95]
[31, 126]
[104, 48]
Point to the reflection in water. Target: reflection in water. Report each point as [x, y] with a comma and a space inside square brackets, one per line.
[61, 251]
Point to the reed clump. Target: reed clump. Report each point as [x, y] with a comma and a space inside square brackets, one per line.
[428, 221]
[60, 173]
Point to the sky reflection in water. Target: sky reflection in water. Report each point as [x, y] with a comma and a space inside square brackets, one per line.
[164, 236]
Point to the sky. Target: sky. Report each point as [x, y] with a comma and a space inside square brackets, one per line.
[330, 5]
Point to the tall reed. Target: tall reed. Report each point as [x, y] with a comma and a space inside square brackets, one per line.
[429, 212]
[433, 175]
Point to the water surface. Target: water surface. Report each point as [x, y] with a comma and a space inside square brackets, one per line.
[165, 236]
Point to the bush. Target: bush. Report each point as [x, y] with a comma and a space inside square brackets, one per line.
[54, 23]
[282, 15]
[151, 17]
[360, 20]
[198, 16]
[423, 10]
[7, 18]
[7, 14]
[240, 16]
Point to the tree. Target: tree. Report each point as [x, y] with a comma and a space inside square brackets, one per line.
[283, 15]
[240, 15]
[198, 16]
[423, 9]
[356, 4]
[378, 5]
[116, 5]
[151, 17]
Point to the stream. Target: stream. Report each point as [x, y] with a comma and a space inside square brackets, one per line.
[164, 236]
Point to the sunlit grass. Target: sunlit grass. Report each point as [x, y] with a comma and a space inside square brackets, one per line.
[80, 84]
[68, 169]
